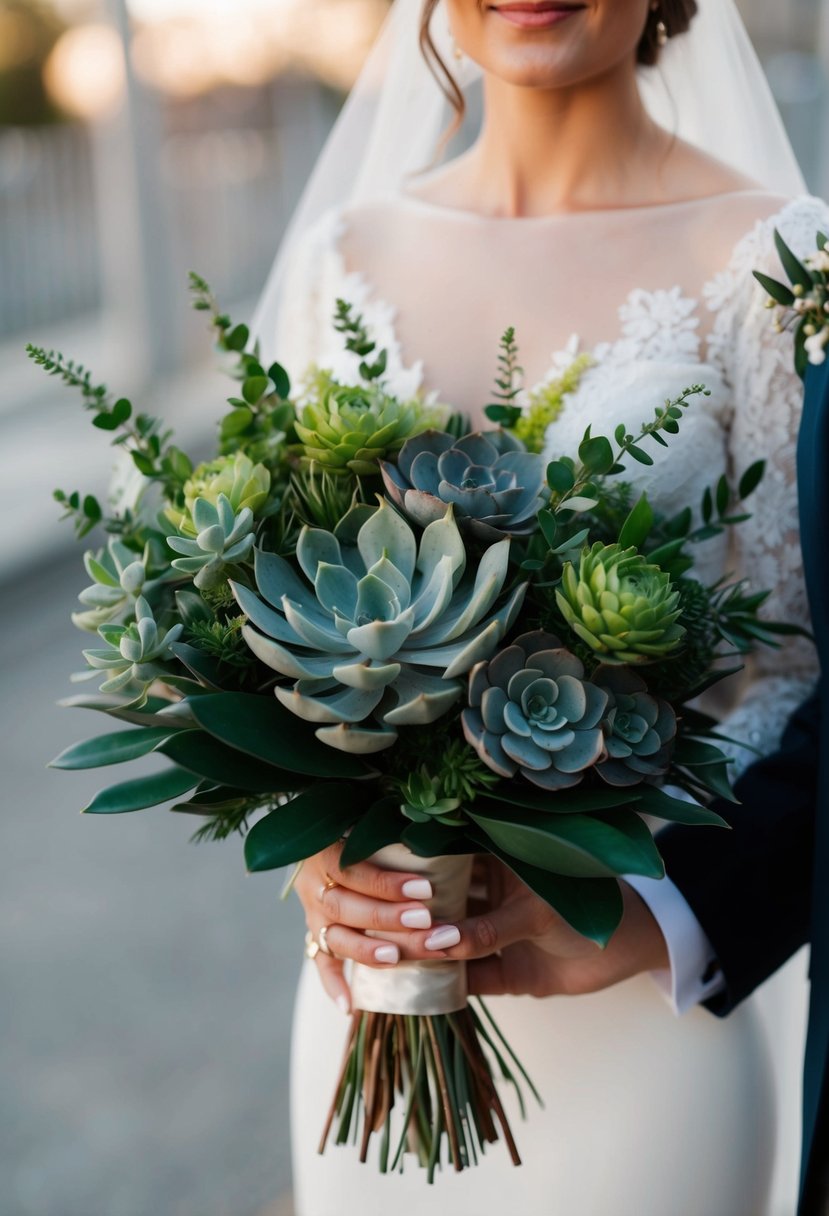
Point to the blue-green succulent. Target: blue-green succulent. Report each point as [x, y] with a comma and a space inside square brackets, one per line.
[223, 538]
[639, 729]
[133, 653]
[378, 633]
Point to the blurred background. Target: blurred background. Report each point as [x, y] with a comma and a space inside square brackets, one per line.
[147, 985]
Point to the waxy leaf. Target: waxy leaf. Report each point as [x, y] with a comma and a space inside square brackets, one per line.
[199, 753]
[306, 825]
[381, 825]
[142, 792]
[116, 748]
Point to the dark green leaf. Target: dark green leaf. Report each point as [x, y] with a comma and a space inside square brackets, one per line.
[306, 825]
[778, 291]
[549, 527]
[261, 727]
[792, 265]
[597, 455]
[637, 526]
[751, 479]
[707, 506]
[435, 839]
[237, 421]
[203, 667]
[116, 748]
[723, 496]
[122, 411]
[142, 792]
[237, 339]
[560, 477]
[381, 825]
[656, 802]
[199, 753]
[579, 846]
[92, 509]
[192, 608]
[143, 464]
[640, 456]
[565, 802]
[281, 380]
[503, 415]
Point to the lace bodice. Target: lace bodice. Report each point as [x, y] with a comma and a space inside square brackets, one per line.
[660, 297]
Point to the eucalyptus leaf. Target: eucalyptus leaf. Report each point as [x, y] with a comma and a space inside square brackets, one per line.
[638, 525]
[777, 291]
[794, 268]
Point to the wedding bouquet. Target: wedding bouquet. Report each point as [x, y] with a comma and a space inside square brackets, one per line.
[362, 621]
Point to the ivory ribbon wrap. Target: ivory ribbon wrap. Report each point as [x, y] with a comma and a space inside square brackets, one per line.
[419, 987]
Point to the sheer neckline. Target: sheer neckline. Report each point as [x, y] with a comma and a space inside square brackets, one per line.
[458, 213]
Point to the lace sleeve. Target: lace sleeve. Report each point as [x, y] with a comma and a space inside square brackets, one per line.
[767, 400]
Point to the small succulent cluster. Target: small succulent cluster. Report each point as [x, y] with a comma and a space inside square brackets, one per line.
[119, 577]
[349, 429]
[243, 483]
[223, 539]
[423, 800]
[494, 484]
[382, 629]
[533, 710]
[624, 608]
[133, 653]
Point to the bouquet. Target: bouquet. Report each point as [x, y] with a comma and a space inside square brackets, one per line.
[363, 621]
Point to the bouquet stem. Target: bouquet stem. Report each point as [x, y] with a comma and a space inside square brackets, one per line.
[416, 1044]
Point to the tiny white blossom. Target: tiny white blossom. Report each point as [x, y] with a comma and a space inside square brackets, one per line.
[815, 347]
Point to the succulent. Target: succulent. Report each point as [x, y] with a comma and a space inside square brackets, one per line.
[350, 429]
[639, 729]
[243, 483]
[532, 711]
[118, 576]
[133, 652]
[624, 608]
[423, 800]
[382, 629]
[223, 538]
[495, 485]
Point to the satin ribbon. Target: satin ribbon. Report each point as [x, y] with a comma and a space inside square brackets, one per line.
[419, 987]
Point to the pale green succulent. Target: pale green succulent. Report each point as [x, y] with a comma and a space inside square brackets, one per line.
[243, 483]
[423, 800]
[133, 653]
[350, 429]
[118, 576]
[223, 539]
[624, 608]
[382, 629]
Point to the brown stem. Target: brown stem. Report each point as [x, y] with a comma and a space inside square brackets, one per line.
[355, 1026]
[451, 1130]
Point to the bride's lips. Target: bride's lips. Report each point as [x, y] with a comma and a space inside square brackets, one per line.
[539, 15]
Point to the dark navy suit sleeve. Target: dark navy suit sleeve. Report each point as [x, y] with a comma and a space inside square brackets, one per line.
[750, 887]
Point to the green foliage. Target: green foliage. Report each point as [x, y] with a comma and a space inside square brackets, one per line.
[802, 305]
[546, 404]
[359, 342]
[508, 383]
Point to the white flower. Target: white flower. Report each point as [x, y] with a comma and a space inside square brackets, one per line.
[815, 347]
[819, 260]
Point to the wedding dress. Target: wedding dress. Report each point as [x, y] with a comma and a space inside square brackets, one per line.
[646, 1114]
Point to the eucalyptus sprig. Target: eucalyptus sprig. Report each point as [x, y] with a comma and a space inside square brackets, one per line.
[508, 383]
[358, 340]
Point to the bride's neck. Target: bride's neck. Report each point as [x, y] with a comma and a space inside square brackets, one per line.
[542, 151]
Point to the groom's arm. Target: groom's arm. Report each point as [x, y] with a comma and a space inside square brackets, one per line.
[750, 887]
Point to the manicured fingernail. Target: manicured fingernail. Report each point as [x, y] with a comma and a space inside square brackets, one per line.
[416, 918]
[443, 938]
[387, 954]
[417, 888]
[343, 1004]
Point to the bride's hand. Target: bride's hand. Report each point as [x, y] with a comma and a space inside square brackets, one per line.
[349, 901]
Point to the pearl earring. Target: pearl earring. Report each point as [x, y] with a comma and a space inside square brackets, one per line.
[661, 28]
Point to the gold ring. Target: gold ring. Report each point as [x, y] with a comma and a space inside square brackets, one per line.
[312, 946]
[323, 941]
[329, 885]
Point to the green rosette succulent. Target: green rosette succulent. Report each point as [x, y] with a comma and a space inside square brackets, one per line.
[379, 631]
[223, 539]
[531, 710]
[244, 484]
[134, 652]
[624, 608]
[348, 429]
[119, 577]
[639, 729]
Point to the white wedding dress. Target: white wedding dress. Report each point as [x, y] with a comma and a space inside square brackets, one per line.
[646, 1114]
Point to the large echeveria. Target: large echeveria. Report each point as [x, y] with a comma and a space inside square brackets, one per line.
[624, 608]
[495, 485]
[532, 711]
[639, 729]
[379, 633]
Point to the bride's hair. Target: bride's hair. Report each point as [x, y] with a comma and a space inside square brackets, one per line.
[677, 16]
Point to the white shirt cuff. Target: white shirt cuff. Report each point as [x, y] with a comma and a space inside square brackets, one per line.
[694, 975]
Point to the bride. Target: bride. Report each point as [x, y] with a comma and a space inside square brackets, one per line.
[625, 177]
